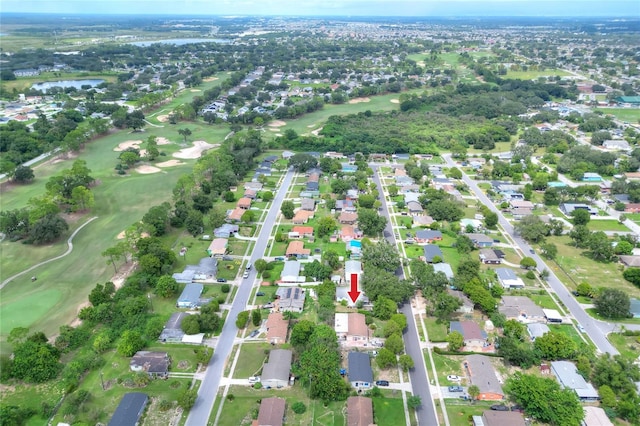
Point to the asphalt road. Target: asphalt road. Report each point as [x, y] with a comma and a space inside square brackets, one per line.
[597, 330]
[199, 414]
[418, 375]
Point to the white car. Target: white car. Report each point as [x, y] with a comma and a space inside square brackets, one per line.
[254, 379]
[454, 378]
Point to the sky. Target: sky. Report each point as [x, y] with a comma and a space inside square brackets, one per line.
[418, 8]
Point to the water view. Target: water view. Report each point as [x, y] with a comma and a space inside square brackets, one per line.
[181, 41]
[66, 83]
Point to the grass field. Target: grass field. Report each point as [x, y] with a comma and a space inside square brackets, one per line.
[607, 225]
[252, 357]
[630, 115]
[533, 74]
[629, 346]
[460, 412]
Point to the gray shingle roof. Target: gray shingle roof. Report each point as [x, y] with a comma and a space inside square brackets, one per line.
[360, 367]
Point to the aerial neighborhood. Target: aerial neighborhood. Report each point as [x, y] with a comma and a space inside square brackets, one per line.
[266, 221]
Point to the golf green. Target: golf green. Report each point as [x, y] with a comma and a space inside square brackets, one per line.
[26, 311]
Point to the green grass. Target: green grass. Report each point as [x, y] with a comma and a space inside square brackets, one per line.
[388, 411]
[529, 75]
[460, 412]
[630, 115]
[606, 225]
[543, 300]
[252, 357]
[437, 332]
[569, 331]
[446, 365]
[628, 346]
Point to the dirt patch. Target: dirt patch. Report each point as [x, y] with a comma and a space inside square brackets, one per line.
[359, 100]
[277, 123]
[195, 151]
[127, 144]
[147, 170]
[395, 101]
[77, 321]
[183, 365]
[160, 140]
[163, 118]
[122, 274]
[170, 163]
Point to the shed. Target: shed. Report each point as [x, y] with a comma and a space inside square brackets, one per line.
[552, 315]
[129, 410]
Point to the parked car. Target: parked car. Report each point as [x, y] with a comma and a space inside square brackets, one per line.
[453, 378]
[221, 280]
[267, 305]
[499, 407]
[227, 258]
[279, 258]
[456, 389]
[260, 293]
[254, 379]
[532, 251]
[382, 383]
[254, 333]
[581, 328]
[246, 274]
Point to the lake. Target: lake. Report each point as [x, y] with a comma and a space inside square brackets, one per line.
[66, 83]
[181, 41]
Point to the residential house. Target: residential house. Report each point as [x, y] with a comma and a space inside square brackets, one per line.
[342, 294]
[482, 374]
[422, 220]
[568, 208]
[431, 251]
[595, 416]
[521, 308]
[537, 329]
[155, 364]
[130, 409]
[290, 299]
[359, 411]
[256, 186]
[591, 177]
[287, 154]
[226, 230]
[489, 256]
[427, 236]
[308, 204]
[250, 194]
[297, 250]
[235, 215]
[172, 331]
[350, 232]
[499, 418]
[205, 270]
[467, 304]
[346, 205]
[520, 213]
[271, 412]
[567, 374]
[359, 370]
[348, 218]
[276, 372]
[351, 268]
[302, 216]
[474, 337]
[445, 268]
[474, 224]
[407, 189]
[244, 203]
[303, 231]
[190, 296]
[218, 247]
[480, 240]
[277, 327]
[410, 196]
[521, 204]
[508, 278]
[415, 208]
[632, 208]
[351, 329]
[291, 272]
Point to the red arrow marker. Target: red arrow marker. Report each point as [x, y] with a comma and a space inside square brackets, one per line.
[354, 293]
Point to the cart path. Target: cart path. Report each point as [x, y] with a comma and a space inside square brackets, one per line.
[66, 253]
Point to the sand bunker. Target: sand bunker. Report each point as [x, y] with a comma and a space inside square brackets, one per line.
[210, 79]
[316, 131]
[195, 151]
[127, 144]
[122, 234]
[170, 163]
[311, 126]
[163, 118]
[162, 141]
[277, 123]
[358, 100]
[146, 170]
[395, 101]
[196, 90]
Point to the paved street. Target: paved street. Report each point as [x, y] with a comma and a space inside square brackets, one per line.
[201, 411]
[418, 376]
[597, 330]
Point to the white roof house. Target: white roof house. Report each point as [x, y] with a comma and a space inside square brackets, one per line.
[291, 272]
[341, 323]
[569, 378]
[537, 329]
[508, 278]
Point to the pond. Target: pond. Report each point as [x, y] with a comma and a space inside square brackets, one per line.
[66, 83]
[181, 41]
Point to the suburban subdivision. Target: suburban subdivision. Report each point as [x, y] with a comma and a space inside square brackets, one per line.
[269, 221]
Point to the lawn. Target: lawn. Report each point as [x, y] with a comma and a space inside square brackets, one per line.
[577, 268]
[461, 412]
[570, 331]
[388, 411]
[606, 225]
[630, 115]
[437, 332]
[252, 357]
[543, 300]
[446, 365]
[629, 346]
[534, 74]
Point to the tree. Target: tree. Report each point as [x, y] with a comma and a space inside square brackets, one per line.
[406, 362]
[580, 235]
[216, 217]
[395, 344]
[332, 259]
[613, 303]
[266, 196]
[23, 174]
[248, 216]
[464, 244]
[532, 229]
[82, 198]
[187, 399]
[445, 210]
[382, 256]
[491, 220]
[242, 319]
[35, 360]
[301, 332]
[194, 222]
[600, 246]
[555, 345]
[581, 216]
[47, 229]
[256, 317]
[623, 247]
[549, 250]
[455, 340]
[544, 399]
[190, 324]
[414, 401]
[287, 209]
[134, 120]
[445, 305]
[400, 319]
[528, 263]
[166, 286]
[260, 265]
[152, 148]
[385, 358]
[384, 308]
[130, 343]
[370, 222]
[474, 392]
[301, 162]
[326, 226]
[185, 133]
[584, 289]
[632, 275]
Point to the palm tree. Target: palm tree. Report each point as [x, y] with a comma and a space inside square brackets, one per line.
[185, 133]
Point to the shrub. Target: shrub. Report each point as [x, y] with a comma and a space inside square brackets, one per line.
[298, 407]
[531, 275]
[230, 397]
[257, 385]
[226, 288]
